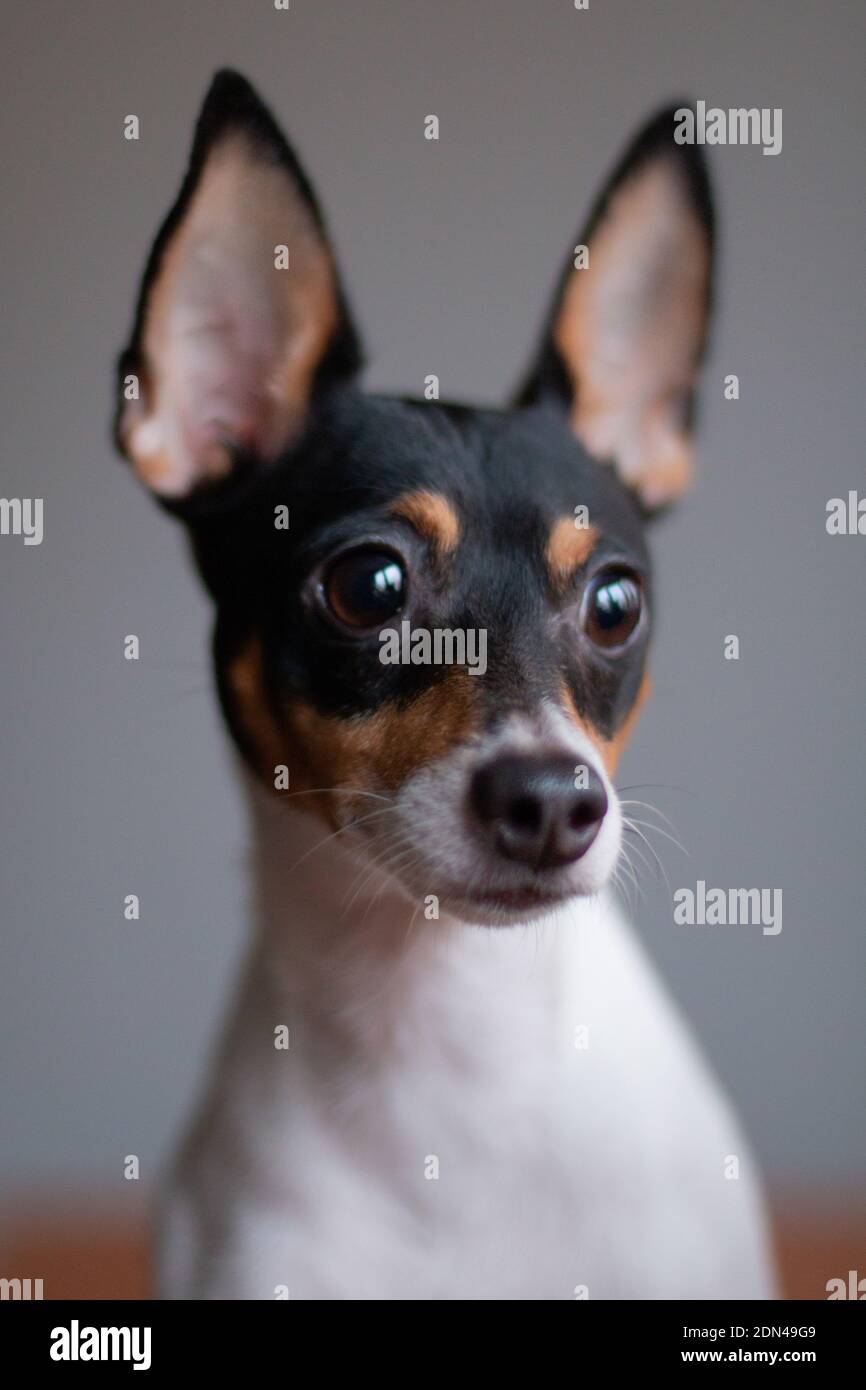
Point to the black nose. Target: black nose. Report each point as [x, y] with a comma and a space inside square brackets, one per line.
[543, 811]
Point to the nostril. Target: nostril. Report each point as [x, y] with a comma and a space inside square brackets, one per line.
[585, 811]
[524, 813]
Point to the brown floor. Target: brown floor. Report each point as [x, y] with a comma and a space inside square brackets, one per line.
[816, 1243]
[81, 1252]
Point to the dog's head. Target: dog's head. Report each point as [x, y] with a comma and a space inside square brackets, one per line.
[434, 617]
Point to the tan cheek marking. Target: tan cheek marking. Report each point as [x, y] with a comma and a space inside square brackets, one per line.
[568, 548]
[574, 714]
[375, 752]
[611, 749]
[378, 752]
[433, 517]
[265, 740]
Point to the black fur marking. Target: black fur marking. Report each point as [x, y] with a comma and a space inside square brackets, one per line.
[510, 476]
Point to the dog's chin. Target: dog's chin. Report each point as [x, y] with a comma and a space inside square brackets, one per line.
[506, 909]
[487, 896]
[493, 904]
[506, 906]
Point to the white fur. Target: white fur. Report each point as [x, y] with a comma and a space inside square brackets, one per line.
[560, 1168]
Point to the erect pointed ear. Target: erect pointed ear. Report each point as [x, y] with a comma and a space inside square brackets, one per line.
[628, 326]
[240, 315]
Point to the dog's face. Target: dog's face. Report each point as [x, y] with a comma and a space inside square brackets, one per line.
[434, 617]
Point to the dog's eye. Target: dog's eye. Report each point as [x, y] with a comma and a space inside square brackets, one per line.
[364, 588]
[612, 609]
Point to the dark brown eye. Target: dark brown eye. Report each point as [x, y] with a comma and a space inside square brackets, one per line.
[364, 588]
[612, 609]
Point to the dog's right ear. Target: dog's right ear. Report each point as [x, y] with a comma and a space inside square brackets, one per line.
[240, 317]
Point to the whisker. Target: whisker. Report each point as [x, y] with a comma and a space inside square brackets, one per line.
[341, 830]
[390, 869]
[648, 825]
[634, 828]
[647, 863]
[625, 886]
[371, 866]
[655, 786]
[647, 805]
[627, 867]
[344, 791]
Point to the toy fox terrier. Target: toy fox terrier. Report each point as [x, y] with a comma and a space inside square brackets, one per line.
[417, 1097]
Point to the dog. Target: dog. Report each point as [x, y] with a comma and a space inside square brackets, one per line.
[450, 1072]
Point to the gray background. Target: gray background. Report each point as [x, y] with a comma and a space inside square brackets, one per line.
[116, 777]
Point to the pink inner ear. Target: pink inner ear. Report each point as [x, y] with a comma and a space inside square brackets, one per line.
[231, 342]
[630, 331]
[226, 339]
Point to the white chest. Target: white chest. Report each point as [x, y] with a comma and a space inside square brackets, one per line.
[462, 1113]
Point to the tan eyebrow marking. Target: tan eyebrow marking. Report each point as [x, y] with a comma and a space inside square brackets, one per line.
[432, 516]
[568, 548]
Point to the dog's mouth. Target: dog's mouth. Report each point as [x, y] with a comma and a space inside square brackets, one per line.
[532, 896]
[488, 902]
[491, 905]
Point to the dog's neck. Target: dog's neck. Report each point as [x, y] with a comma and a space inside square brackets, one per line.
[353, 966]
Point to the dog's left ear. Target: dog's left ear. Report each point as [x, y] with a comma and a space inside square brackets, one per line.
[628, 326]
[241, 315]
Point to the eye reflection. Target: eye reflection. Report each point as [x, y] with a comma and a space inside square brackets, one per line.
[612, 609]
